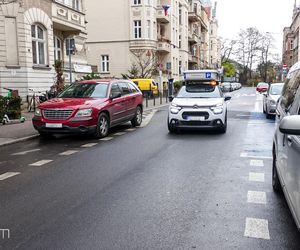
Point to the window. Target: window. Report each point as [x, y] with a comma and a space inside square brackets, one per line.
[289, 90]
[180, 16]
[148, 29]
[137, 29]
[115, 90]
[75, 4]
[38, 35]
[179, 40]
[132, 88]
[104, 63]
[180, 67]
[70, 46]
[136, 2]
[195, 8]
[292, 45]
[57, 48]
[124, 88]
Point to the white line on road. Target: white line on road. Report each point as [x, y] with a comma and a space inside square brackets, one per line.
[69, 152]
[106, 139]
[258, 177]
[26, 152]
[257, 197]
[257, 163]
[257, 228]
[245, 155]
[120, 133]
[130, 129]
[8, 175]
[40, 163]
[89, 145]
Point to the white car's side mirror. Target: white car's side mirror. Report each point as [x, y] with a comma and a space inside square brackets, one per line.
[290, 125]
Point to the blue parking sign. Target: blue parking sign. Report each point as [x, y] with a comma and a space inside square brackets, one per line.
[208, 75]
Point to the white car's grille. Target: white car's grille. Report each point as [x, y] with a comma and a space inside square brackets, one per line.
[57, 114]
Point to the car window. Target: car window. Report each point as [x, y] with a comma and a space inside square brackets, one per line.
[124, 88]
[132, 88]
[115, 90]
[289, 90]
[276, 89]
[199, 91]
[85, 90]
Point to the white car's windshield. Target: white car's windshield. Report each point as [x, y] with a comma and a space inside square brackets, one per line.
[199, 91]
[276, 89]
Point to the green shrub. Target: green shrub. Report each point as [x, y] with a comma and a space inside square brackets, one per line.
[12, 108]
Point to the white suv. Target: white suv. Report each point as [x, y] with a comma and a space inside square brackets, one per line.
[198, 104]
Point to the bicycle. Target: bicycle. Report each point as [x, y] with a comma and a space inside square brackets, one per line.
[36, 100]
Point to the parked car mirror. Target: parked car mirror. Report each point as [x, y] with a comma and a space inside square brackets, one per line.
[115, 95]
[227, 97]
[171, 97]
[290, 125]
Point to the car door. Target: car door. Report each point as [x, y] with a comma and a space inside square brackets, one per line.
[117, 108]
[292, 148]
[126, 94]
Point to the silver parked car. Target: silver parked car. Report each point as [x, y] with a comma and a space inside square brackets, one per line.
[270, 99]
[286, 143]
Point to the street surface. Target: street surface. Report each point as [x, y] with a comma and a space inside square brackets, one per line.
[147, 189]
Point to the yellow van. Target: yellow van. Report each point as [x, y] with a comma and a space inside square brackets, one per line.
[147, 86]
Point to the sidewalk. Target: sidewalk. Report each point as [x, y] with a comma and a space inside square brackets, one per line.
[12, 133]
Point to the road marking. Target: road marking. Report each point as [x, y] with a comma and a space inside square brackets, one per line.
[241, 115]
[69, 152]
[259, 177]
[257, 163]
[245, 155]
[120, 133]
[148, 118]
[106, 139]
[89, 145]
[130, 129]
[8, 175]
[257, 197]
[257, 228]
[40, 163]
[26, 152]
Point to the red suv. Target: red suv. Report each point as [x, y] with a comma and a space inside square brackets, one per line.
[90, 107]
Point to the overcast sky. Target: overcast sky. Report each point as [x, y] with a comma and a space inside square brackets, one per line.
[265, 15]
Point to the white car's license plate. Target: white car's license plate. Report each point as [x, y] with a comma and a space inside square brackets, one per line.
[53, 125]
[196, 118]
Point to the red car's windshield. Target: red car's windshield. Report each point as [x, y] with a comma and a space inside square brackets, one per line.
[85, 90]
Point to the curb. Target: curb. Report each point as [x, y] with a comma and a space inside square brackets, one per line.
[156, 107]
[19, 140]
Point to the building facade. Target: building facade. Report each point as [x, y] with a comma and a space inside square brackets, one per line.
[33, 35]
[290, 50]
[156, 37]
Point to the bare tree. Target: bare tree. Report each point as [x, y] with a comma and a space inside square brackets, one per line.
[248, 46]
[227, 49]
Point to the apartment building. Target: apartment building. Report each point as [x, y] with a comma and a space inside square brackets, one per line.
[290, 50]
[149, 36]
[33, 34]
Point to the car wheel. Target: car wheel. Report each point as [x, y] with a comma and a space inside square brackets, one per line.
[224, 127]
[275, 179]
[268, 116]
[138, 117]
[264, 109]
[102, 126]
[171, 128]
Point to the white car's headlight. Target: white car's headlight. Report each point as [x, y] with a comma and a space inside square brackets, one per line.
[174, 108]
[218, 109]
[272, 102]
[84, 112]
[37, 112]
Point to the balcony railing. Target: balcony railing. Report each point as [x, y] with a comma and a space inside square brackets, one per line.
[193, 38]
[163, 46]
[160, 15]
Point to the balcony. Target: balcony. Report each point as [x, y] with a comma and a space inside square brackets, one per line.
[193, 59]
[193, 16]
[193, 38]
[67, 19]
[142, 44]
[163, 46]
[160, 15]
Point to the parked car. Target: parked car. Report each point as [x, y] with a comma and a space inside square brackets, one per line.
[262, 87]
[90, 107]
[286, 143]
[270, 99]
[147, 86]
[226, 87]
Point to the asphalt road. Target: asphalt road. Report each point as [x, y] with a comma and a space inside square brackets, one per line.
[148, 189]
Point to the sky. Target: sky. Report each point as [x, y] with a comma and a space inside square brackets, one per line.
[266, 15]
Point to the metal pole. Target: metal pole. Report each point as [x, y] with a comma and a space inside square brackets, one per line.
[70, 62]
